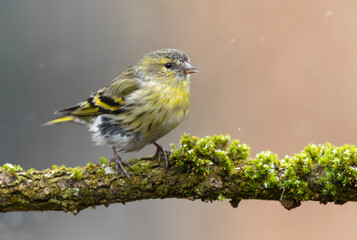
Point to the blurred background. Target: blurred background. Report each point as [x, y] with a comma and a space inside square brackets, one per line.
[276, 74]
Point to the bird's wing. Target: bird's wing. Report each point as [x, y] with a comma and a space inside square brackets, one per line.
[109, 99]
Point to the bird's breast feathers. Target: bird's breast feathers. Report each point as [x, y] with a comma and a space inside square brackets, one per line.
[164, 107]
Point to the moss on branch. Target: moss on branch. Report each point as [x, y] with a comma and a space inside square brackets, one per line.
[211, 168]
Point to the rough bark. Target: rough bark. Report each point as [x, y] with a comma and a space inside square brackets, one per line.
[211, 168]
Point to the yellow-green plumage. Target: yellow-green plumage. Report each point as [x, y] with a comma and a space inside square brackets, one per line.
[142, 104]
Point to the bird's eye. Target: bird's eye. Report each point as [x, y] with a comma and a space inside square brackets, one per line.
[168, 65]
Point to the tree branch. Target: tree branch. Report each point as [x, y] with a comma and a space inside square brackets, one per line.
[211, 168]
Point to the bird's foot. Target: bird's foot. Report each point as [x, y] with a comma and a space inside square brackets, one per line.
[119, 163]
[162, 153]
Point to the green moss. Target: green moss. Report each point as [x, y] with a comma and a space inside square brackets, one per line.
[198, 155]
[188, 159]
[107, 181]
[140, 167]
[221, 198]
[90, 165]
[30, 171]
[69, 193]
[12, 169]
[9, 167]
[224, 160]
[100, 171]
[294, 177]
[55, 167]
[262, 174]
[238, 153]
[339, 166]
[103, 160]
[77, 174]
[336, 168]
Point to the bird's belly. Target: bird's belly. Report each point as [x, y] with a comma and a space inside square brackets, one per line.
[152, 127]
[106, 132]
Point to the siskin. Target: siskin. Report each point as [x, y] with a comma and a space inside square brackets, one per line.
[144, 103]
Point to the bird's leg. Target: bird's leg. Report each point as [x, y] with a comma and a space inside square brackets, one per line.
[160, 151]
[120, 163]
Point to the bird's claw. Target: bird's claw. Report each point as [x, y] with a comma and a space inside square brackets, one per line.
[162, 153]
[119, 163]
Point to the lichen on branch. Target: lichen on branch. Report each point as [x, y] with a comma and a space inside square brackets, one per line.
[210, 168]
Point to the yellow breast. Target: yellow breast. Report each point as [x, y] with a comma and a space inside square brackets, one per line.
[155, 110]
[171, 107]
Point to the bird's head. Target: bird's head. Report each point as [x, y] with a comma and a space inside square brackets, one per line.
[168, 66]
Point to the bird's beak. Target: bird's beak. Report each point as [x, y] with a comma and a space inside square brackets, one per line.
[188, 68]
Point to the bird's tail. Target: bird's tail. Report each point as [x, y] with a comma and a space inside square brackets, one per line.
[60, 120]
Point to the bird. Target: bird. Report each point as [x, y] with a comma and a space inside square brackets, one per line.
[144, 103]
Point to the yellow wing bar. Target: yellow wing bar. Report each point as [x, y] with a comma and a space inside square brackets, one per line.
[98, 104]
